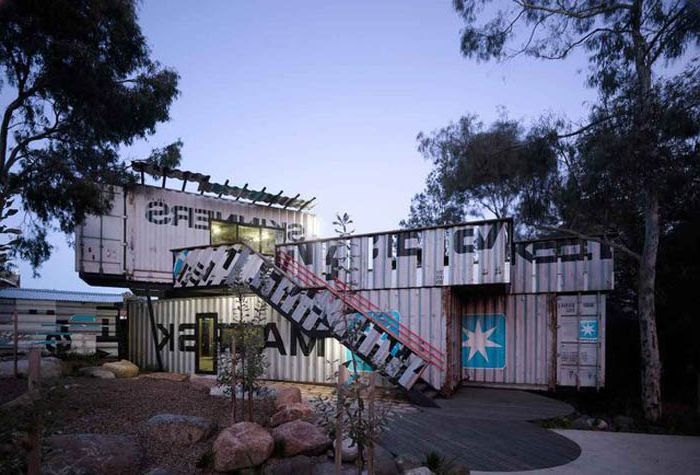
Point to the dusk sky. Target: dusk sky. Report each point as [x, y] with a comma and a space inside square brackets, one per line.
[326, 99]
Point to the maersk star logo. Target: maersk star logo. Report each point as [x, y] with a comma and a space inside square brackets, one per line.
[484, 341]
[588, 330]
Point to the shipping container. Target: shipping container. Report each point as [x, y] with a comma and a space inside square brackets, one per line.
[130, 245]
[463, 254]
[562, 265]
[526, 340]
[292, 355]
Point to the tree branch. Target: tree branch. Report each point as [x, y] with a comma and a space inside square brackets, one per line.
[580, 14]
[588, 126]
[582, 40]
[22, 144]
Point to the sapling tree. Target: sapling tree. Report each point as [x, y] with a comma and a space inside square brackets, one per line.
[347, 407]
[241, 368]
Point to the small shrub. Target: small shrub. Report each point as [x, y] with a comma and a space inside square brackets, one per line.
[438, 464]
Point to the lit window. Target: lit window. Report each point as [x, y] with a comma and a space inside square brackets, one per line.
[261, 239]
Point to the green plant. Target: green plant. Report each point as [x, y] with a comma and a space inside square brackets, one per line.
[245, 361]
[439, 464]
[349, 405]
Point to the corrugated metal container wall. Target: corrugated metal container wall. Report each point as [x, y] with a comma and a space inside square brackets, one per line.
[158, 220]
[287, 361]
[35, 320]
[562, 265]
[524, 333]
[466, 254]
[46, 323]
[421, 311]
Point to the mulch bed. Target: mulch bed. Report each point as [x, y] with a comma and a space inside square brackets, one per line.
[11, 388]
[80, 405]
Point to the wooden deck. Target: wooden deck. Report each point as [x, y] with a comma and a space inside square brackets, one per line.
[485, 429]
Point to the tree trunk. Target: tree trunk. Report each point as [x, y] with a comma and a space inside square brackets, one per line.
[651, 363]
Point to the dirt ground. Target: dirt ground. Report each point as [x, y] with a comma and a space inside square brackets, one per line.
[123, 406]
[80, 405]
[11, 388]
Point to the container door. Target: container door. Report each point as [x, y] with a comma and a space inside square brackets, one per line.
[581, 339]
[205, 349]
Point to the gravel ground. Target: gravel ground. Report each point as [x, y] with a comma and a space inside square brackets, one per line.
[124, 406]
[11, 388]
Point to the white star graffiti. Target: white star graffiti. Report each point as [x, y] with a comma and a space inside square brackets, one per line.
[478, 340]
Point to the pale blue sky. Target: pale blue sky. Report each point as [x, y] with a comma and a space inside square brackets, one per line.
[325, 99]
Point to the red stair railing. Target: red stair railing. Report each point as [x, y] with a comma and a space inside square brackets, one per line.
[410, 339]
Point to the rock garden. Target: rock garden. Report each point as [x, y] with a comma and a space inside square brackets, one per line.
[111, 419]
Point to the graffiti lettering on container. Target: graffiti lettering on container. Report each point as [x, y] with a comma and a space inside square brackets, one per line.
[314, 310]
[273, 339]
[159, 212]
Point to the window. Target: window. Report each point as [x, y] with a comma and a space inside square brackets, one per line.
[261, 239]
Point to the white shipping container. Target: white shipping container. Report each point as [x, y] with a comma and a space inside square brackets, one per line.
[132, 243]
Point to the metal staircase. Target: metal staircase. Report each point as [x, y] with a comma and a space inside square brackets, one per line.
[318, 307]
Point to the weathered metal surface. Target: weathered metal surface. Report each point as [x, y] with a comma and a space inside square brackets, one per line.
[291, 355]
[529, 340]
[581, 337]
[504, 339]
[99, 242]
[562, 265]
[394, 352]
[465, 254]
[132, 243]
[420, 311]
[52, 325]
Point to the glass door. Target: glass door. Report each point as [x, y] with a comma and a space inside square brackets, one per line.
[205, 336]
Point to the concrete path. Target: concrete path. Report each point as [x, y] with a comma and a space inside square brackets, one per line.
[626, 453]
[485, 429]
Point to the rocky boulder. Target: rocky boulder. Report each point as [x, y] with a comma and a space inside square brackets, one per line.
[291, 412]
[179, 430]
[300, 437]
[92, 453]
[96, 372]
[348, 450]
[245, 444]
[287, 395]
[384, 463]
[122, 368]
[406, 462]
[582, 423]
